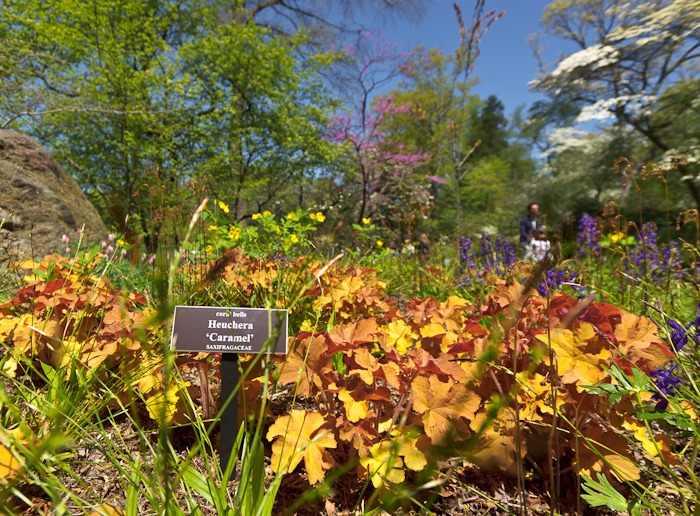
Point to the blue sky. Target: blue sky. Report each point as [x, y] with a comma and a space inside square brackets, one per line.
[506, 63]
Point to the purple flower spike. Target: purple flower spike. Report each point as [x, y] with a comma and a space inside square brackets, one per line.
[587, 235]
[679, 337]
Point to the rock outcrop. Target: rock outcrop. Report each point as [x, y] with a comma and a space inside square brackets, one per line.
[40, 202]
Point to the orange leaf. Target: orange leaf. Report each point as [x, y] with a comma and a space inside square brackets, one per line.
[365, 365]
[10, 466]
[383, 464]
[299, 436]
[496, 444]
[354, 409]
[362, 435]
[575, 366]
[361, 331]
[306, 363]
[536, 394]
[107, 509]
[420, 309]
[639, 342]
[443, 405]
[604, 452]
[399, 335]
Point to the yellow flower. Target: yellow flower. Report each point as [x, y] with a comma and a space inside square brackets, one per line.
[211, 228]
[234, 232]
[379, 243]
[277, 228]
[223, 206]
[320, 217]
[121, 242]
[209, 249]
[267, 212]
[312, 216]
[256, 216]
[294, 239]
[290, 216]
[366, 220]
[616, 237]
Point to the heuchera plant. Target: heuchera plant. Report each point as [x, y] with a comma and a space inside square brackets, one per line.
[391, 387]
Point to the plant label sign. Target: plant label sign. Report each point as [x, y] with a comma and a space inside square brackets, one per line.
[209, 329]
[229, 331]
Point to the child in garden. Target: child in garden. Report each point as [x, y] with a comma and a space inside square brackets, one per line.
[538, 248]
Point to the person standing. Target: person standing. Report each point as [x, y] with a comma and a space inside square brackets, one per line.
[539, 247]
[528, 225]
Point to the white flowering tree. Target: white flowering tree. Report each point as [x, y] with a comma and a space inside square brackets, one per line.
[637, 67]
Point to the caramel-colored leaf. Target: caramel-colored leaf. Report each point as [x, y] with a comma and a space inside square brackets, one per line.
[604, 452]
[306, 363]
[496, 444]
[300, 436]
[354, 409]
[573, 365]
[364, 365]
[443, 405]
[107, 509]
[383, 464]
[362, 434]
[639, 342]
[398, 334]
[10, 466]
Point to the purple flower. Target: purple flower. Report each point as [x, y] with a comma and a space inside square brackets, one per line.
[555, 279]
[587, 235]
[679, 337]
[494, 258]
[666, 384]
[487, 252]
[645, 253]
[467, 251]
[505, 251]
[279, 257]
[671, 259]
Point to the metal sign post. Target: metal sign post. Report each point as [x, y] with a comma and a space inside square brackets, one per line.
[229, 331]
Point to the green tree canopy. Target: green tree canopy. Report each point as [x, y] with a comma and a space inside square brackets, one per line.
[121, 88]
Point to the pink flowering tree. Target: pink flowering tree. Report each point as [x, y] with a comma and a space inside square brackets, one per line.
[381, 173]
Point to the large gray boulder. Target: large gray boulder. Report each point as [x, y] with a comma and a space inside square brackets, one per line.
[40, 202]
